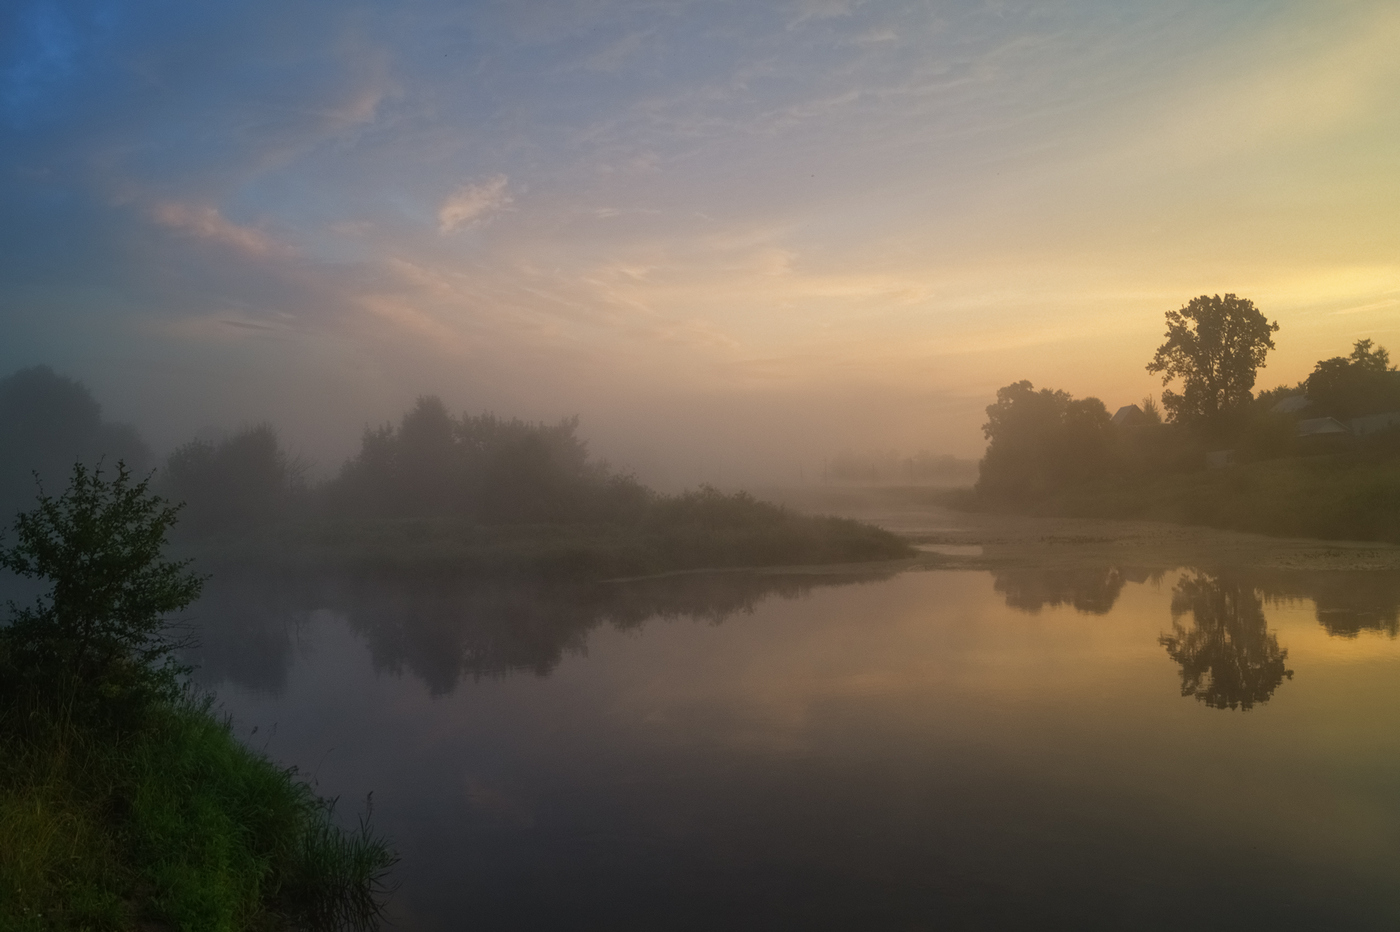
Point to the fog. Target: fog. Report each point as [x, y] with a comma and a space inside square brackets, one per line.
[735, 243]
[671, 441]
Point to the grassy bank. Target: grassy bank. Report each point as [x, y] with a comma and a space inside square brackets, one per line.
[124, 802]
[705, 529]
[167, 822]
[1340, 497]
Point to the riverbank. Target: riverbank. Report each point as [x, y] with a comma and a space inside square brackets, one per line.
[972, 539]
[1339, 497]
[1343, 497]
[168, 822]
[752, 535]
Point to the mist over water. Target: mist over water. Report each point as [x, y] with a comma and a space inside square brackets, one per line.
[797, 465]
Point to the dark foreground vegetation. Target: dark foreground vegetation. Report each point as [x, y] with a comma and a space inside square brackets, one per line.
[125, 801]
[1319, 459]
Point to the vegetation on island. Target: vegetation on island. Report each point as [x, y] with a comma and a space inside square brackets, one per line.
[125, 799]
[478, 494]
[488, 495]
[1318, 459]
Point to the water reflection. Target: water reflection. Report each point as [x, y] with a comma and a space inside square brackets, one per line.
[907, 755]
[1229, 659]
[1092, 590]
[442, 628]
[1347, 603]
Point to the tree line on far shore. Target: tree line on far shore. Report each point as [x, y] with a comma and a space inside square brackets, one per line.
[1041, 442]
[416, 487]
[481, 469]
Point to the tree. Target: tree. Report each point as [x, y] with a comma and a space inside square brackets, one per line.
[1214, 345]
[1355, 385]
[242, 481]
[46, 422]
[1040, 441]
[100, 626]
[483, 468]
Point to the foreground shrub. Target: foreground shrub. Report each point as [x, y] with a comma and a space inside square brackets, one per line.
[175, 821]
[99, 634]
[122, 798]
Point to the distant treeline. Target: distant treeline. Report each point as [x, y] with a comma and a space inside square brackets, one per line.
[482, 490]
[1043, 442]
[431, 465]
[1321, 458]
[47, 422]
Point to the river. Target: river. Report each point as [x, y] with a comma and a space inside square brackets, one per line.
[1091, 745]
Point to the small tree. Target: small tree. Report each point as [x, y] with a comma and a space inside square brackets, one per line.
[101, 625]
[1214, 345]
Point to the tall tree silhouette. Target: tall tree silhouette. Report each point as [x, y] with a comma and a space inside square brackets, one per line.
[1215, 346]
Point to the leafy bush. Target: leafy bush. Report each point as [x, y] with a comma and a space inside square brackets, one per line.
[122, 798]
[100, 630]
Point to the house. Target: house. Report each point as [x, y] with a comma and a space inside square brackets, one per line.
[1127, 415]
[1291, 405]
[1322, 427]
[1375, 423]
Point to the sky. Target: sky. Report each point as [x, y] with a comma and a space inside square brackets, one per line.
[734, 238]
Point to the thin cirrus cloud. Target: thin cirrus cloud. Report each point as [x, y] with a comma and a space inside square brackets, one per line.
[474, 203]
[205, 222]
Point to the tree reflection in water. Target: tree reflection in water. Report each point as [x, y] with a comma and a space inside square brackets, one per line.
[441, 627]
[1347, 602]
[1229, 659]
[1092, 590]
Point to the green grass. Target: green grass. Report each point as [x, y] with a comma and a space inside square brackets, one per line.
[699, 530]
[172, 822]
[1339, 497]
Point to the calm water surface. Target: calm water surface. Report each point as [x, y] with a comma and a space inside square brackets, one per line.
[937, 749]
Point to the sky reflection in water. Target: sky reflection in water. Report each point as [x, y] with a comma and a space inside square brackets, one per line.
[953, 748]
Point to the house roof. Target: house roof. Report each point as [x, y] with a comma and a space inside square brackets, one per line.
[1318, 426]
[1127, 414]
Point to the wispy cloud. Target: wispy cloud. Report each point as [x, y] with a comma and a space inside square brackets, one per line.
[205, 222]
[474, 203]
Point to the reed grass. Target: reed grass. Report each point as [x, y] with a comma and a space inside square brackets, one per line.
[170, 821]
